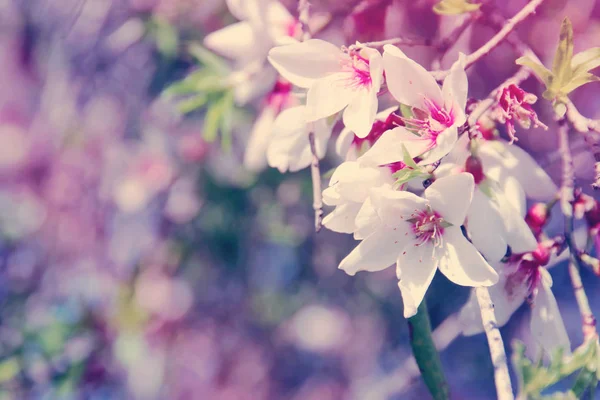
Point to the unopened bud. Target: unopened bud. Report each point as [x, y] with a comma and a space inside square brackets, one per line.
[542, 254]
[537, 217]
[474, 166]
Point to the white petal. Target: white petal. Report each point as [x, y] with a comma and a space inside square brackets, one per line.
[341, 219]
[388, 148]
[289, 148]
[395, 207]
[444, 144]
[518, 234]
[343, 143]
[360, 113]
[331, 197]
[451, 196]
[505, 306]
[353, 181]
[367, 220]
[518, 163]
[304, 63]
[236, 8]
[255, 156]
[415, 269]
[547, 325]
[462, 263]
[515, 195]
[236, 41]
[278, 21]
[329, 95]
[455, 90]
[408, 81]
[469, 316]
[376, 252]
[258, 84]
[375, 67]
[486, 227]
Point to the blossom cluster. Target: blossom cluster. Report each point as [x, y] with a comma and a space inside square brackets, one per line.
[418, 185]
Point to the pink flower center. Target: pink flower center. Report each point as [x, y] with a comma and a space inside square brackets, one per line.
[360, 73]
[528, 267]
[430, 122]
[428, 226]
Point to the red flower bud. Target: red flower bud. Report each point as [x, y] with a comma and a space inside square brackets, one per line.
[537, 217]
[475, 168]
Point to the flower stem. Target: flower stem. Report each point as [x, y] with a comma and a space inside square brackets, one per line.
[426, 355]
[501, 376]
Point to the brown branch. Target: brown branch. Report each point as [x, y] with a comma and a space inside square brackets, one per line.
[496, 345]
[566, 190]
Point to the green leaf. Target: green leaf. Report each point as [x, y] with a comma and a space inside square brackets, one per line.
[192, 104]
[218, 117]
[586, 60]
[561, 66]
[579, 81]
[542, 72]
[455, 7]
[534, 378]
[585, 380]
[407, 159]
[207, 58]
[202, 80]
[166, 36]
[9, 368]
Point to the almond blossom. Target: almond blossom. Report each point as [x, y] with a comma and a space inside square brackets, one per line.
[336, 80]
[421, 235]
[263, 24]
[524, 278]
[349, 146]
[349, 189]
[255, 156]
[432, 130]
[289, 147]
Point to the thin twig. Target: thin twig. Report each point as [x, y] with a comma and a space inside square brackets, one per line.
[568, 177]
[398, 41]
[501, 376]
[315, 170]
[315, 173]
[496, 39]
[567, 189]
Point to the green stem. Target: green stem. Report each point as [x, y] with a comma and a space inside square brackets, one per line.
[426, 354]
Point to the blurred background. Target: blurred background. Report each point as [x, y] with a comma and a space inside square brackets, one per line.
[140, 260]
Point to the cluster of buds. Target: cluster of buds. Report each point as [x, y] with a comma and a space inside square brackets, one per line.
[514, 104]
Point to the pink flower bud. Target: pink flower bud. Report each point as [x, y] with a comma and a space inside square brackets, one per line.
[537, 217]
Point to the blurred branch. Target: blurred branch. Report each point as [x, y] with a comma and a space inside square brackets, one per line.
[508, 27]
[501, 375]
[426, 355]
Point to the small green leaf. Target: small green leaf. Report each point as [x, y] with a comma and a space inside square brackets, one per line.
[192, 104]
[407, 159]
[586, 61]
[542, 72]
[561, 66]
[406, 111]
[455, 7]
[579, 81]
[207, 58]
[9, 368]
[166, 36]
